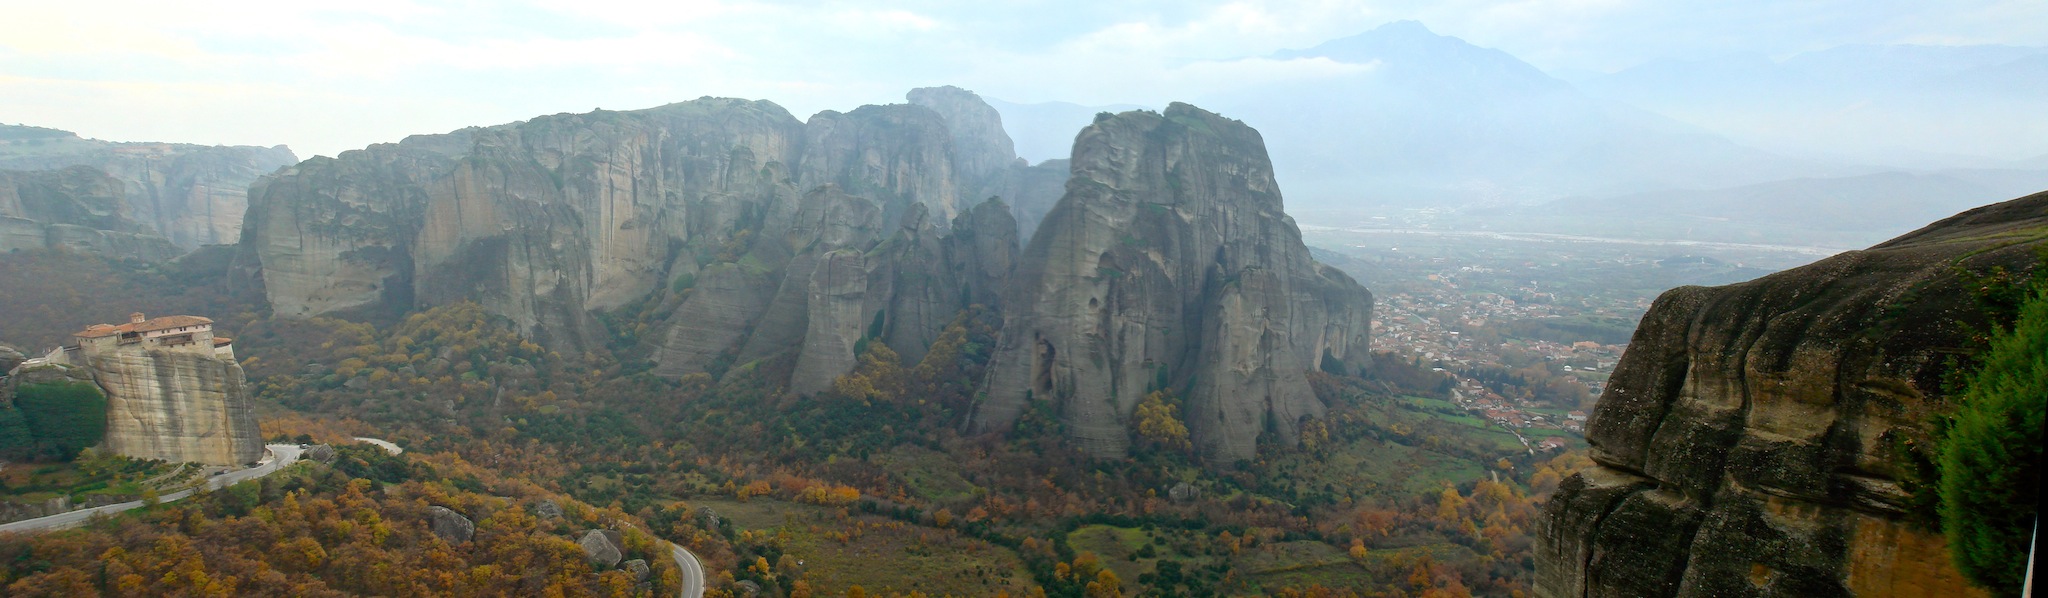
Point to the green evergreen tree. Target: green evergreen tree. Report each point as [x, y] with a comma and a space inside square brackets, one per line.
[1990, 460]
[63, 416]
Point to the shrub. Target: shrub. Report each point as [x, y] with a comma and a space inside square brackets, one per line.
[1990, 460]
[63, 416]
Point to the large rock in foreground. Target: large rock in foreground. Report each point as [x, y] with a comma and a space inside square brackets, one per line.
[1752, 440]
[1169, 264]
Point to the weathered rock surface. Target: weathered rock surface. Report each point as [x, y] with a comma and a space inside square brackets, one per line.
[192, 195]
[321, 452]
[451, 526]
[547, 509]
[177, 406]
[78, 209]
[736, 206]
[1170, 263]
[1750, 441]
[602, 547]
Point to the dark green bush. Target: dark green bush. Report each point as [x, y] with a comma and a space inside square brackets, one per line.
[63, 417]
[1990, 460]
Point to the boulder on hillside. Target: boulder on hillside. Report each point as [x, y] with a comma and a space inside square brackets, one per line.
[320, 452]
[450, 525]
[602, 547]
[547, 509]
[639, 569]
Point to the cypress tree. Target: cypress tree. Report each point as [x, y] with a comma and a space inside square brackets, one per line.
[1990, 460]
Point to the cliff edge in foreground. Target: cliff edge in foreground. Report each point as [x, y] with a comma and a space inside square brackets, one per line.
[1752, 440]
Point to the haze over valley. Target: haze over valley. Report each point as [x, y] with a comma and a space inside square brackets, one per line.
[779, 300]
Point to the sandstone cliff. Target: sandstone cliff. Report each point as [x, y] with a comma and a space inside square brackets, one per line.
[78, 209]
[178, 406]
[190, 194]
[1750, 442]
[776, 236]
[1170, 263]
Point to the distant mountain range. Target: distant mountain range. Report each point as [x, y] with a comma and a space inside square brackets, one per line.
[1856, 141]
[1841, 212]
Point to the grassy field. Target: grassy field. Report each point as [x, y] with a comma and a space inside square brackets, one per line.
[882, 556]
[929, 474]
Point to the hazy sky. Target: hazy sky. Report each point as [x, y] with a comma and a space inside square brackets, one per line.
[345, 74]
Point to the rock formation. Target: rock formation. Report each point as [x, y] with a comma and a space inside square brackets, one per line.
[177, 406]
[192, 195]
[778, 237]
[1752, 440]
[602, 547]
[78, 209]
[451, 526]
[1169, 264]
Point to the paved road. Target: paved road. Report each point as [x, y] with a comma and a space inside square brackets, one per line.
[693, 572]
[388, 447]
[280, 456]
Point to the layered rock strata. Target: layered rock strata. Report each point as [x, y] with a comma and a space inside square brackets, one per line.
[1752, 442]
[1169, 264]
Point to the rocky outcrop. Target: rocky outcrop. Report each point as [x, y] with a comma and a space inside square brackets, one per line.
[323, 453]
[1169, 263]
[177, 406]
[192, 195]
[602, 547]
[1032, 191]
[732, 205]
[1753, 440]
[77, 209]
[451, 526]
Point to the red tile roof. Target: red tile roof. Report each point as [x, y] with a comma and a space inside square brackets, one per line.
[151, 325]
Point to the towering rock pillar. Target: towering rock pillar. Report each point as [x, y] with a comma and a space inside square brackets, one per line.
[1169, 264]
[178, 407]
[174, 391]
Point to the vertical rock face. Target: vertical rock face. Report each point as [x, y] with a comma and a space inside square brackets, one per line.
[1170, 263]
[177, 406]
[781, 236]
[192, 195]
[540, 221]
[1750, 443]
[76, 208]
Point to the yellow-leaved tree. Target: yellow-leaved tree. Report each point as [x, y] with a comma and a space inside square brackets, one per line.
[1158, 422]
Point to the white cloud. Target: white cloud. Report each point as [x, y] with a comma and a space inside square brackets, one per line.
[429, 65]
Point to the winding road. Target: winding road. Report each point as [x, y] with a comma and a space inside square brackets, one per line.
[281, 455]
[693, 572]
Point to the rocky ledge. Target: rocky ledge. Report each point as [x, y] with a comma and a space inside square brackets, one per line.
[1752, 440]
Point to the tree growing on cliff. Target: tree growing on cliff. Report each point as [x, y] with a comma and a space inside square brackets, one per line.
[64, 417]
[1990, 461]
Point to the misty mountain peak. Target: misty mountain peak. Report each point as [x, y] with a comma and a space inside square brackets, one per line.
[1409, 46]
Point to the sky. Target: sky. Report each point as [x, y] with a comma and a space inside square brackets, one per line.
[327, 77]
